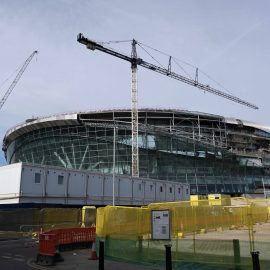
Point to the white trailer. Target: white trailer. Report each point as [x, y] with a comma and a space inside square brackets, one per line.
[25, 183]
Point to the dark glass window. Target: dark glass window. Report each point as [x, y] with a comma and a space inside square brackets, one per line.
[37, 178]
[60, 179]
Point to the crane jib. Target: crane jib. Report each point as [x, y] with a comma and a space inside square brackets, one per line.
[92, 45]
[17, 78]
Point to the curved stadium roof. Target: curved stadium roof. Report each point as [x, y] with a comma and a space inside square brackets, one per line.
[72, 119]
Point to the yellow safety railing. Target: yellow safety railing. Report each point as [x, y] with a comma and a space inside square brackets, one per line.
[186, 217]
[202, 231]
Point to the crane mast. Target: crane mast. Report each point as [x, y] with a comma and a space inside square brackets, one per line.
[17, 78]
[135, 61]
[134, 112]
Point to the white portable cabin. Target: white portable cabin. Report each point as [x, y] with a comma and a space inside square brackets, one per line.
[25, 183]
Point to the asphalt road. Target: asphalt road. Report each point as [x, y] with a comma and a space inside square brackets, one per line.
[17, 254]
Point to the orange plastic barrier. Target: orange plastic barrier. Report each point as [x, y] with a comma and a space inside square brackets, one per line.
[50, 242]
[47, 244]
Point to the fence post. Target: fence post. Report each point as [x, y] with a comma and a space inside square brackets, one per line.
[255, 260]
[236, 253]
[140, 246]
[168, 257]
[101, 256]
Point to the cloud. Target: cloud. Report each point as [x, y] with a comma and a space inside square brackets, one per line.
[232, 44]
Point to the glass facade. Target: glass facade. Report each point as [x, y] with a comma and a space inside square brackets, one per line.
[173, 146]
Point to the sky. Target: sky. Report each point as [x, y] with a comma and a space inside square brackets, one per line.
[227, 39]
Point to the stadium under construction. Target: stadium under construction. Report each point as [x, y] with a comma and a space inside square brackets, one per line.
[209, 153]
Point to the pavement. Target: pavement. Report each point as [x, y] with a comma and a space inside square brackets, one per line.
[16, 254]
[79, 260]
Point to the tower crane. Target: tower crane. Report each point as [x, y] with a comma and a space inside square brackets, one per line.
[17, 78]
[135, 61]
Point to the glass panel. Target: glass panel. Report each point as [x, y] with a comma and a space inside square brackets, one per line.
[37, 178]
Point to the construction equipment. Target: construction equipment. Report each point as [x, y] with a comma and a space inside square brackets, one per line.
[17, 78]
[135, 61]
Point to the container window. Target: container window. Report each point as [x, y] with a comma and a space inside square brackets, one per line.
[170, 189]
[161, 189]
[60, 179]
[37, 178]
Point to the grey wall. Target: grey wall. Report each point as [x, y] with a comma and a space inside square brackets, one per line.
[83, 188]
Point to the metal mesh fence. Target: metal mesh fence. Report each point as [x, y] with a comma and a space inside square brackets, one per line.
[218, 234]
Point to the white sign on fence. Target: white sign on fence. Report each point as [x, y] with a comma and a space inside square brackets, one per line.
[161, 225]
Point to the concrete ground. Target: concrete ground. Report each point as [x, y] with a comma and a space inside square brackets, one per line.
[79, 260]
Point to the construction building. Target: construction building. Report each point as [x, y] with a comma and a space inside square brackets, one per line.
[208, 153]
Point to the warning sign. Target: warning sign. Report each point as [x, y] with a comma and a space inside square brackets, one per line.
[161, 225]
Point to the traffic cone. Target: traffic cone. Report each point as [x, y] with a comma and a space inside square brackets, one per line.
[93, 254]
